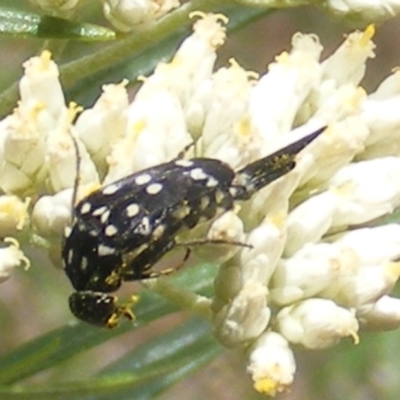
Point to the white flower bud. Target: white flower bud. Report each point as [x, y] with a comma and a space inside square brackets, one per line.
[283, 89]
[316, 323]
[337, 146]
[244, 318]
[226, 228]
[56, 5]
[62, 155]
[379, 114]
[22, 152]
[309, 271]
[226, 132]
[383, 316]
[375, 11]
[378, 110]
[193, 62]
[128, 14]
[13, 214]
[366, 272]
[100, 126]
[347, 63]
[267, 241]
[309, 221]
[11, 257]
[368, 285]
[271, 364]
[366, 190]
[254, 264]
[51, 214]
[372, 245]
[12, 180]
[40, 85]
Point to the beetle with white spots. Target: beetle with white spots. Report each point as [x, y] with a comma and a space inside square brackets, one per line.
[121, 230]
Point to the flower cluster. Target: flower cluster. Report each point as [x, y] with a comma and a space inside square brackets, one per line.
[307, 279]
[127, 15]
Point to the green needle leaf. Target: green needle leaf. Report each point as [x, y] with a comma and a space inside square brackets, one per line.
[18, 23]
[64, 343]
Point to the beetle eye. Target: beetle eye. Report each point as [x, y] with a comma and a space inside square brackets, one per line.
[98, 308]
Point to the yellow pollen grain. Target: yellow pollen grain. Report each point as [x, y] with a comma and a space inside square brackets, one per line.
[281, 161]
[73, 110]
[37, 109]
[278, 219]
[393, 268]
[282, 58]
[45, 58]
[138, 126]
[267, 386]
[355, 337]
[368, 34]
[343, 190]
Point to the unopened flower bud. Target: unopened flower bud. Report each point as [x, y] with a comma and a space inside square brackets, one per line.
[243, 319]
[271, 364]
[308, 272]
[56, 5]
[107, 119]
[13, 214]
[11, 257]
[52, 214]
[40, 85]
[128, 14]
[383, 316]
[316, 323]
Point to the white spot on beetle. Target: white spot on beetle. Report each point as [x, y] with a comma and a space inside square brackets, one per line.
[103, 250]
[211, 182]
[198, 174]
[154, 188]
[233, 191]
[99, 211]
[86, 207]
[104, 216]
[132, 210]
[67, 231]
[142, 179]
[84, 264]
[111, 230]
[70, 255]
[144, 227]
[184, 163]
[110, 189]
